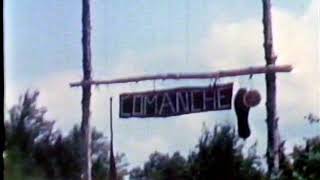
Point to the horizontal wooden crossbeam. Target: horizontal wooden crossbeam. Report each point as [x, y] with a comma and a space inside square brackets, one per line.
[181, 76]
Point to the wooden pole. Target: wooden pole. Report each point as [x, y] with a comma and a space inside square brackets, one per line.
[113, 170]
[86, 90]
[218, 74]
[2, 126]
[271, 88]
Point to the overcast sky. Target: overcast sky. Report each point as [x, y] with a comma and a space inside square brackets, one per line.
[43, 51]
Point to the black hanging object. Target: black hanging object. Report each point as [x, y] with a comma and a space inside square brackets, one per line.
[242, 112]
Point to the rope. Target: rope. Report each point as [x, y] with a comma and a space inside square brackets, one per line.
[250, 81]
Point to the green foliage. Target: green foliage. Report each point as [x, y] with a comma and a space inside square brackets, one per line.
[218, 156]
[36, 150]
[26, 126]
[307, 159]
[312, 118]
[162, 166]
[304, 162]
[15, 168]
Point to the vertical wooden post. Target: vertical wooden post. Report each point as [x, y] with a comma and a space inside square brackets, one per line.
[272, 119]
[86, 90]
[113, 170]
[2, 126]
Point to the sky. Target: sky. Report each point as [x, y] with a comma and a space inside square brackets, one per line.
[43, 51]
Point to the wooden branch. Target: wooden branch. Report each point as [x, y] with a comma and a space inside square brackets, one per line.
[176, 76]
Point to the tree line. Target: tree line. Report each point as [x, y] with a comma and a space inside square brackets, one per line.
[35, 150]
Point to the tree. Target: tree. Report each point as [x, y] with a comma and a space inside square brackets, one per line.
[312, 118]
[26, 128]
[306, 160]
[162, 166]
[34, 149]
[218, 156]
